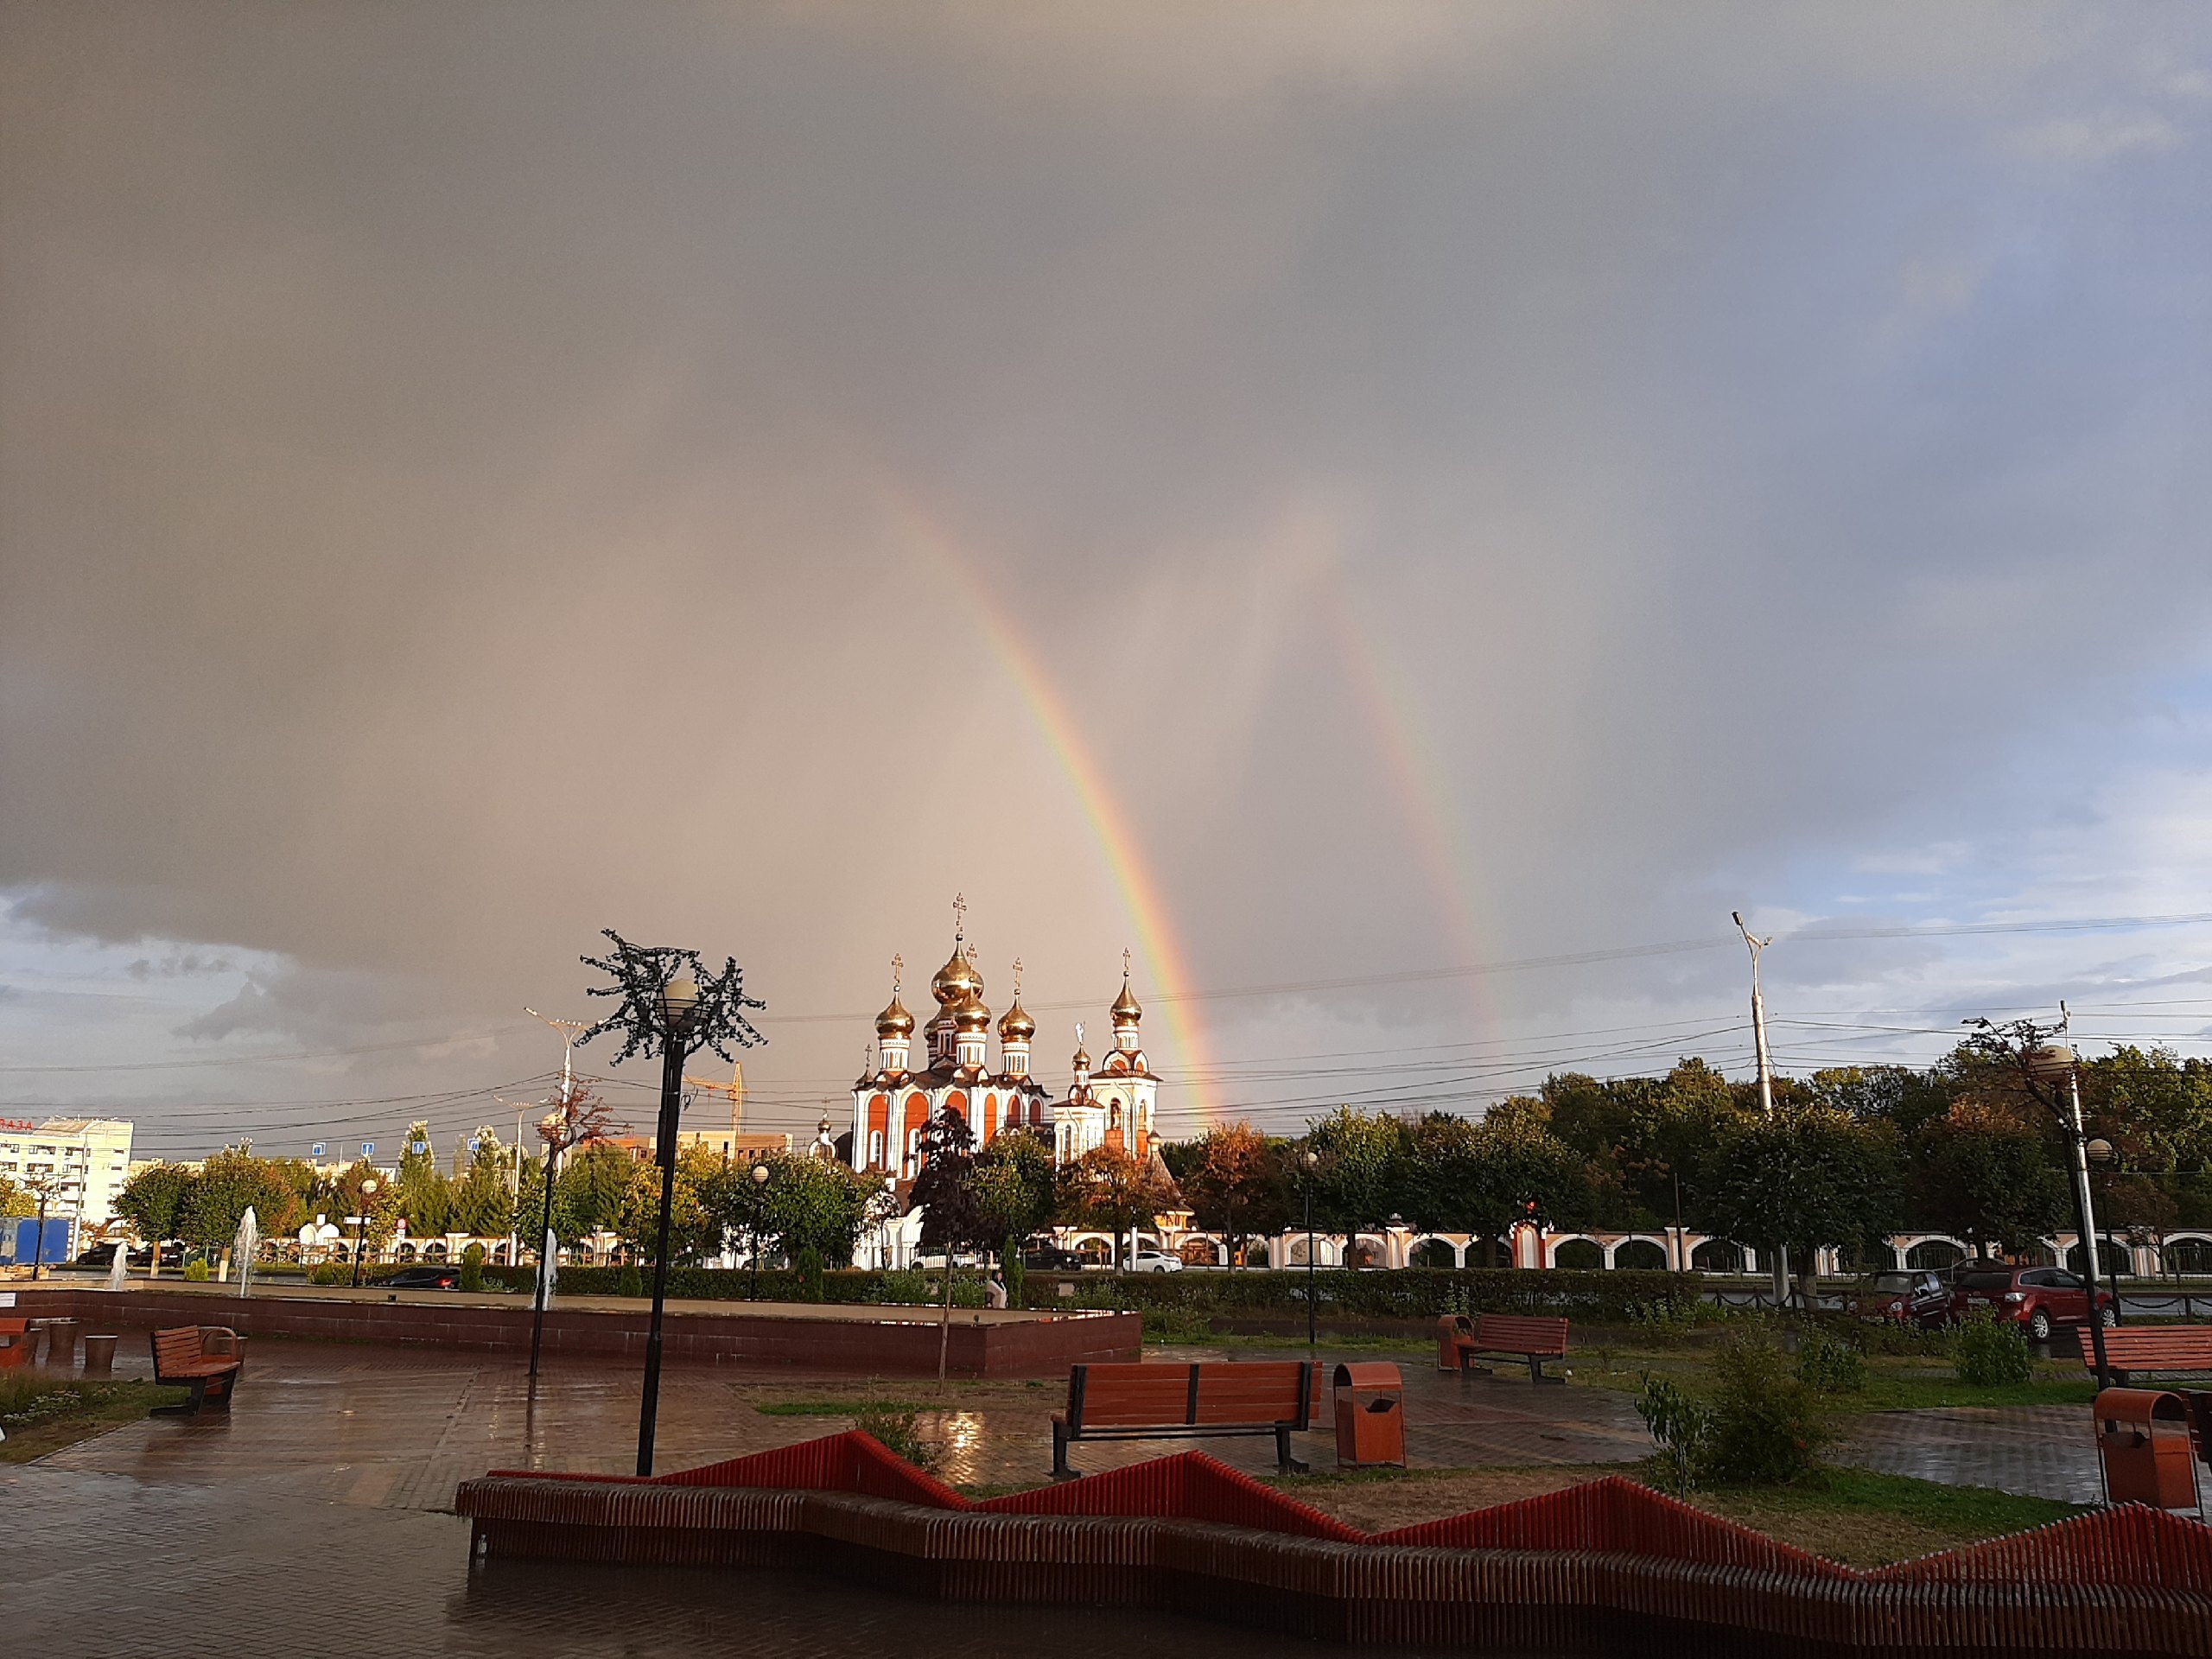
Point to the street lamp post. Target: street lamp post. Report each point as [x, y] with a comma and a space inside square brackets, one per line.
[759, 1192]
[679, 1003]
[361, 1228]
[2052, 1062]
[664, 1005]
[1309, 1160]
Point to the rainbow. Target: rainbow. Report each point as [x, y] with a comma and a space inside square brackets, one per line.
[1401, 737]
[1141, 898]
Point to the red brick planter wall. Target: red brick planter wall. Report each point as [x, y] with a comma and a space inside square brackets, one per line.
[1605, 1568]
[1042, 1346]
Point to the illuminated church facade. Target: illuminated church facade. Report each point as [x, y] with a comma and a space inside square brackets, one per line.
[952, 1071]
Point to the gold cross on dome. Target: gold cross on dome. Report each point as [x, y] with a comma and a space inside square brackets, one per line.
[1125, 964]
[959, 916]
[898, 968]
[1017, 978]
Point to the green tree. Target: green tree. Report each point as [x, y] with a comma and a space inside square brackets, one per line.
[153, 1201]
[589, 1191]
[425, 1195]
[1015, 1187]
[694, 1231]
[1983, 1175]
[482, 1201]
[16, 1202]
[1359, 1181]
[1806, 1177]
[229, 1182]
[806, 1204]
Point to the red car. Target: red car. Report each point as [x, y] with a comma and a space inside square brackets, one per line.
[2038, 1300]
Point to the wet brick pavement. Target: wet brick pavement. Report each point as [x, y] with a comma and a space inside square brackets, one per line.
[316, 1517]
[2037, 1451]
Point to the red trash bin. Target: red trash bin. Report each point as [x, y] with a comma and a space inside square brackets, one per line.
[2143, 1448]
[1370, 1416]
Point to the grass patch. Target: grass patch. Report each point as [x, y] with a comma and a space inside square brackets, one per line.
[1864, 1519]
[42, 1414]
[837, 1407]
[1893, 1383]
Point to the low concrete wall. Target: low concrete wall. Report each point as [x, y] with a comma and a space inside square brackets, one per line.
[1044, 1345]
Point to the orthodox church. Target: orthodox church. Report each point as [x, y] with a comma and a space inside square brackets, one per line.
[892, 1102]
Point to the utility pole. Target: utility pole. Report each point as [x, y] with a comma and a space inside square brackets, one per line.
[1756, 945]
[569, 1030]
[2084, 1203]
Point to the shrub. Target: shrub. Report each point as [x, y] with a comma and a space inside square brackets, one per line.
[1988, 1352]
[1766, 1429]
[1011, 1272]
[471, 1267]
[629, 1282]
[198, 1272]
[905, 1286]
[1682, 1425]
[808, 1264]
[1175, 1325]
[1828, 1364]
[892, 1428]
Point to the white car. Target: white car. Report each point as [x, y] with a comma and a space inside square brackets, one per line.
[1156, 1262]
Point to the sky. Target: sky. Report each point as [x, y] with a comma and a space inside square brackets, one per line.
[1400, 517]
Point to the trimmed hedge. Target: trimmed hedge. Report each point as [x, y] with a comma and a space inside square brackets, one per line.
[1396, 1293]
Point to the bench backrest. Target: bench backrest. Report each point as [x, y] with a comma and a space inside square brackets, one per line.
[177, 1346]
[2148, 1348]
[15, 1327]
[1521, 1333]
[1138, 1396]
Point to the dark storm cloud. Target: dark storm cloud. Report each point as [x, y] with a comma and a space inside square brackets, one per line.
[460, 465]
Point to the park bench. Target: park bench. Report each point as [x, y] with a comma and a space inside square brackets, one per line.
[205, 1358]
[21, 1343]
[1461, 1341]
[1147, 1403]
[2133, 1350]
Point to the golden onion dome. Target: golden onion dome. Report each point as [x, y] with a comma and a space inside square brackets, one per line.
[957, 979]
[1126, 1012]
[969, 1014]
[894, 1021]
[1081, 1061]
[1017, 1026]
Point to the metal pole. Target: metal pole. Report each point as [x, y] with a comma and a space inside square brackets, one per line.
[360, 1222]
[2084, 1207]
[671, 1106]
[545, 1252]
[38, 1244]
[1766, 1083]
[1312, 1306]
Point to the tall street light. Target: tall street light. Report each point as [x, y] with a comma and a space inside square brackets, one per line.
[1309, 1160]
[361, 1227]
[2056, 1063]
[760, 1193]
[669, 1002]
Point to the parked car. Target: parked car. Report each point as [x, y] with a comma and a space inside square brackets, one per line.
[424, 1278]
[1051, 1258]
[1918, 1297]
[1156, 1262]
[2038, 1300]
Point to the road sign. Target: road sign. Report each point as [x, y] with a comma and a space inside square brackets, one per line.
[368, 1149]
[315, 1151]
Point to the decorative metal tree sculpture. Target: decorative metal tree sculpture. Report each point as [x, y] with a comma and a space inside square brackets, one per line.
[669, 1002]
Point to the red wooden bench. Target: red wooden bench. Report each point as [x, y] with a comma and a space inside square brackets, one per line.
[205, 1358]
[1149, 1402]
[1460, 1342]
[2133, 1350]
[22, 1342]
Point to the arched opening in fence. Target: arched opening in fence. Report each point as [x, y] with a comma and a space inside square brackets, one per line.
[1433, 1253]
[1582, 1255]
[1933, 1253]
[1717, 1256]
[1640, 1256]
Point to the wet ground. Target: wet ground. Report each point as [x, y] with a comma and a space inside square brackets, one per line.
[315, 1515]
